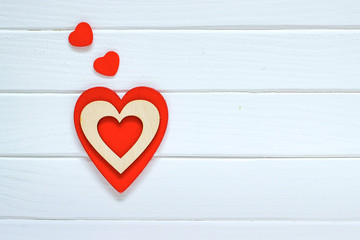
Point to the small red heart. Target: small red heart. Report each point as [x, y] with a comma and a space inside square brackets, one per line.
[82, 36]
[108, 64]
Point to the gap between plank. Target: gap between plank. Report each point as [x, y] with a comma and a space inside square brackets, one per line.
[219, 28]
[253, 220]
[205, 91]
[233, 157]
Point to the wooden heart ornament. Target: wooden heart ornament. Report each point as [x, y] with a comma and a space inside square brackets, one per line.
[120, 135]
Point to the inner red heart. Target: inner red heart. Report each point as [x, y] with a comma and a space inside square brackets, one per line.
[120, 137]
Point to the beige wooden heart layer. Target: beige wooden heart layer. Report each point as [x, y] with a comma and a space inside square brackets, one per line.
[95, 111]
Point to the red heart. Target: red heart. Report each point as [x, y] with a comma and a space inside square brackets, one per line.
[82, 36]
[130, 128]
[108, 64]
[112, 132]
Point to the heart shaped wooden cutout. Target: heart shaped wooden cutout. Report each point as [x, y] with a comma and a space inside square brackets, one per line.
[96, 107]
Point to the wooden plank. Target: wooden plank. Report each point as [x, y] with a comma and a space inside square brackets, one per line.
[303, 60]
[59, 14]
[38, 230]
[200, 124]
[184, 189]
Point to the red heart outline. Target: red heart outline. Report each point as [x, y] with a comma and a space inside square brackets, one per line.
[122, 181]
[82, 36]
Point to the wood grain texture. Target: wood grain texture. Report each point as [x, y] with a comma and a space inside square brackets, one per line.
[184, 188]
[191, 230]
[305, 60]
[57, 14]
[200, 124]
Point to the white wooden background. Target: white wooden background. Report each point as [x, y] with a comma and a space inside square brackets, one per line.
[263, 136]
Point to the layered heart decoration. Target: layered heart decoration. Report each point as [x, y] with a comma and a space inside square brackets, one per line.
[120, 135]
[108, 64]
[82, 36]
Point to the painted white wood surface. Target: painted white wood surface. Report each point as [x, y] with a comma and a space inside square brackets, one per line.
[302, 60]
[200, 124]
[201, 172]
[177, 230]
[50, 14]
[184, 189]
